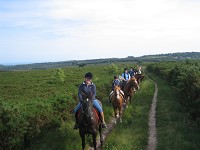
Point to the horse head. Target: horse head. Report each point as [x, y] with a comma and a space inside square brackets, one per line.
[133, 82]
[117, 91]
[87, 105]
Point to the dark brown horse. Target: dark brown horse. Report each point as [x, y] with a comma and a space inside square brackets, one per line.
[139, 77]
[117, 102]
[89, 122]
[129, 89]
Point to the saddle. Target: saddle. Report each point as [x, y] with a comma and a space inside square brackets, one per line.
[97, 113]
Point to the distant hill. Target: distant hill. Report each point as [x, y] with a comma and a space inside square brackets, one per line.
[81, 63]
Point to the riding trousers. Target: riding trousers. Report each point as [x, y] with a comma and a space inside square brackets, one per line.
[95, 104]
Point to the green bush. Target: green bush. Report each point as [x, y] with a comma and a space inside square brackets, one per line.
[185, 77]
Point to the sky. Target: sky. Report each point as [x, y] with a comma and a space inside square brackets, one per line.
[33, 31]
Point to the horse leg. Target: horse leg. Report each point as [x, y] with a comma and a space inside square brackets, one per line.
[120, 113]
[127, 101]
[115, 114]
[94, 136]
[83, 140]
[101, 137]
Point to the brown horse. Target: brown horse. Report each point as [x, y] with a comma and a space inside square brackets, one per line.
[129, 89]
[89, 122]
[117, 101]
[139, 77]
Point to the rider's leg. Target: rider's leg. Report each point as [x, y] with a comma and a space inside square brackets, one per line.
[122, 93]
[110, 95]
[96, 105]
[75, 112]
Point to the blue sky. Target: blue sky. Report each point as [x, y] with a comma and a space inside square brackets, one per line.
[59, 30]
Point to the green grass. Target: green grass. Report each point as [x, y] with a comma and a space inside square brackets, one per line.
[31, 103]
[174, 128]
[132, 133]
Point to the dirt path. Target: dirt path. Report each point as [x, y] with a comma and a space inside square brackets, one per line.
[152, 139]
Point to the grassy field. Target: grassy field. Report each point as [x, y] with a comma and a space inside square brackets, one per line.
[35, 111]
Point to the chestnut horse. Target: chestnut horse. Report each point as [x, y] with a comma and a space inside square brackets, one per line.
[129, 88]
[117, 102]
[89, 122]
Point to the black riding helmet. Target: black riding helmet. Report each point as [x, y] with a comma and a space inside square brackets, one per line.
[115, 77]
[88, 75]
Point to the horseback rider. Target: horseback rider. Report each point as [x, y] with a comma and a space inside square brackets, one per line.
[125, 77]
[140, 70]
[131, 72]
[88, 87]
[116, 82]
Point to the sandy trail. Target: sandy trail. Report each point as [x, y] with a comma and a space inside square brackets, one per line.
[152, 139]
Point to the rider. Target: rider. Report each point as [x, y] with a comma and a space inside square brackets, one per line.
[116, 82]
[131, 72]
[88, 87]
[125, 77]
[139, 70]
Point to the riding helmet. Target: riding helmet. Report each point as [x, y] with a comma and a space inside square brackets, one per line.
[88, 75]
[115, 77]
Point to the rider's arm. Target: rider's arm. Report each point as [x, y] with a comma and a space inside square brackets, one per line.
[123, 76]
[80, 96]
[94, 91]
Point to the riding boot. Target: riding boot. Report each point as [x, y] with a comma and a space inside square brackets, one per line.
[103, 121]
[110, 96]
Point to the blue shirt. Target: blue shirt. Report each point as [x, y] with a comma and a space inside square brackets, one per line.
[126, 76]
[132, 73]
[116, 82]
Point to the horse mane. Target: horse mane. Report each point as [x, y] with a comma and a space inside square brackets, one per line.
[87, 96]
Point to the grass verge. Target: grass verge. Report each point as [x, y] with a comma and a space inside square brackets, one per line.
[174, 128]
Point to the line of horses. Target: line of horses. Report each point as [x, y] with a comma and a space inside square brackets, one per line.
[89, 121]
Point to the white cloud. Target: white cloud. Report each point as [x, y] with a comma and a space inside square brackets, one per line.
[79, 29]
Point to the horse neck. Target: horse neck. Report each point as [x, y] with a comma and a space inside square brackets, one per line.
[117, 92]
[117, 96]
[88, 108]
[131, 84]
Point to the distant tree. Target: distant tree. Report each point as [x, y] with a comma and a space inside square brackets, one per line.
[82, 65]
